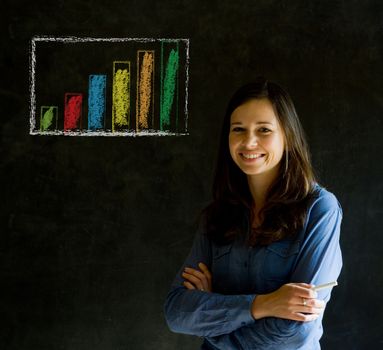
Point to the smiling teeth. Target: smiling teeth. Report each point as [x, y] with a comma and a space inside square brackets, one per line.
[251, 156]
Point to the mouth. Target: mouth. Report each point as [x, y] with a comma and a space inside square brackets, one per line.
[251, 156]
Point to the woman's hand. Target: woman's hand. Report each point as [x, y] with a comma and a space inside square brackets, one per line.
[292, 301]
[196, 279]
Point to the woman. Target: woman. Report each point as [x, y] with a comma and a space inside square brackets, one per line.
[270, 234]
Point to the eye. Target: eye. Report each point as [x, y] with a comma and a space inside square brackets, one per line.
[264, 130]
[237, 129]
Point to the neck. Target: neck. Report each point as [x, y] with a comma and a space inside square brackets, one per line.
[259, 185]
[258, 189]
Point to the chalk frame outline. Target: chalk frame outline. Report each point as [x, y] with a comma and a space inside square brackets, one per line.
[76, 39]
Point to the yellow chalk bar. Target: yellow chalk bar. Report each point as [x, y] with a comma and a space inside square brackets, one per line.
[121, 95]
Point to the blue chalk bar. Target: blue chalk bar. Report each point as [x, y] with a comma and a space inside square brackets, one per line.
[96, 102]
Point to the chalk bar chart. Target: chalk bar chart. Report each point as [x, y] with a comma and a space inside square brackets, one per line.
[109, 86]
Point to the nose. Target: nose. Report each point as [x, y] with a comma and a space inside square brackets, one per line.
[250, 141]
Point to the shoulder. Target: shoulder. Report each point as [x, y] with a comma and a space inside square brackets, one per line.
[324, 201]
[324, 215]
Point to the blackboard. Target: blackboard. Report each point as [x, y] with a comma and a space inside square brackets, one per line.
[93, 229]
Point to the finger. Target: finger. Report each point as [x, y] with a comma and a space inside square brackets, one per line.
[299, 316]
[195, 272]
[188, 285]
[304, 285]
[315, 310]
[305, 317]
[195, 280]
[309, 305]
[205, 270]
[304, 292]
[320, 304]
[308, 309]
[199, 275]
[208, 275]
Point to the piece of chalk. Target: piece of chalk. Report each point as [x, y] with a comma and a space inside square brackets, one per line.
[326, 285]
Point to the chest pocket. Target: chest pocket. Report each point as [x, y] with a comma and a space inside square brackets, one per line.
[278, 262]
[221, 268]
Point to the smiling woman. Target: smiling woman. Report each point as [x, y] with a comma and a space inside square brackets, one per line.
[256, 140]
[270, 234]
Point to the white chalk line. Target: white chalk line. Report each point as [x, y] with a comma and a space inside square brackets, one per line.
[108, 133]
[75, 39]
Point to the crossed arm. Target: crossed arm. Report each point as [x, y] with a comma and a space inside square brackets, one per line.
[292, 301]
[278, 320]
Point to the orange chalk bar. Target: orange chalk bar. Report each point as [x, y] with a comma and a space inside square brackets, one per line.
[145, 89]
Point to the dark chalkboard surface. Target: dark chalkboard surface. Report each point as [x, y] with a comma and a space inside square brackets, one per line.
[93, 229]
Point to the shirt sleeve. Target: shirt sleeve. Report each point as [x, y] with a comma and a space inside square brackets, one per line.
[200, 313]
[319, 261]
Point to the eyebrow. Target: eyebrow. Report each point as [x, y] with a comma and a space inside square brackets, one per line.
[239, 123]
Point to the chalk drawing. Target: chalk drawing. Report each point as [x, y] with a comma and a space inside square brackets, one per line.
[96, 102]
[121, 95]
[145, 88]
[48, 118]
[114, 115]
[169, 86]
[72, 111]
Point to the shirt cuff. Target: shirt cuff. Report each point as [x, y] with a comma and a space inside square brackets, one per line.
[239, 307]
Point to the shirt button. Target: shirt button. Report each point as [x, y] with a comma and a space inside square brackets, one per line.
[245, 264]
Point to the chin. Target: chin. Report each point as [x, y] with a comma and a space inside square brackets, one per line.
[273, 171]
[253, 173]
[248, 171]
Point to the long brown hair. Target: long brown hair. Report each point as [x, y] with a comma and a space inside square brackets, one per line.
[285, 207]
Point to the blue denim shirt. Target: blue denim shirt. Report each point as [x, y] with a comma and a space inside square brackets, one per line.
[223, 318]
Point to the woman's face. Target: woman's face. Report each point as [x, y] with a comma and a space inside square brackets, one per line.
[256, 140]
